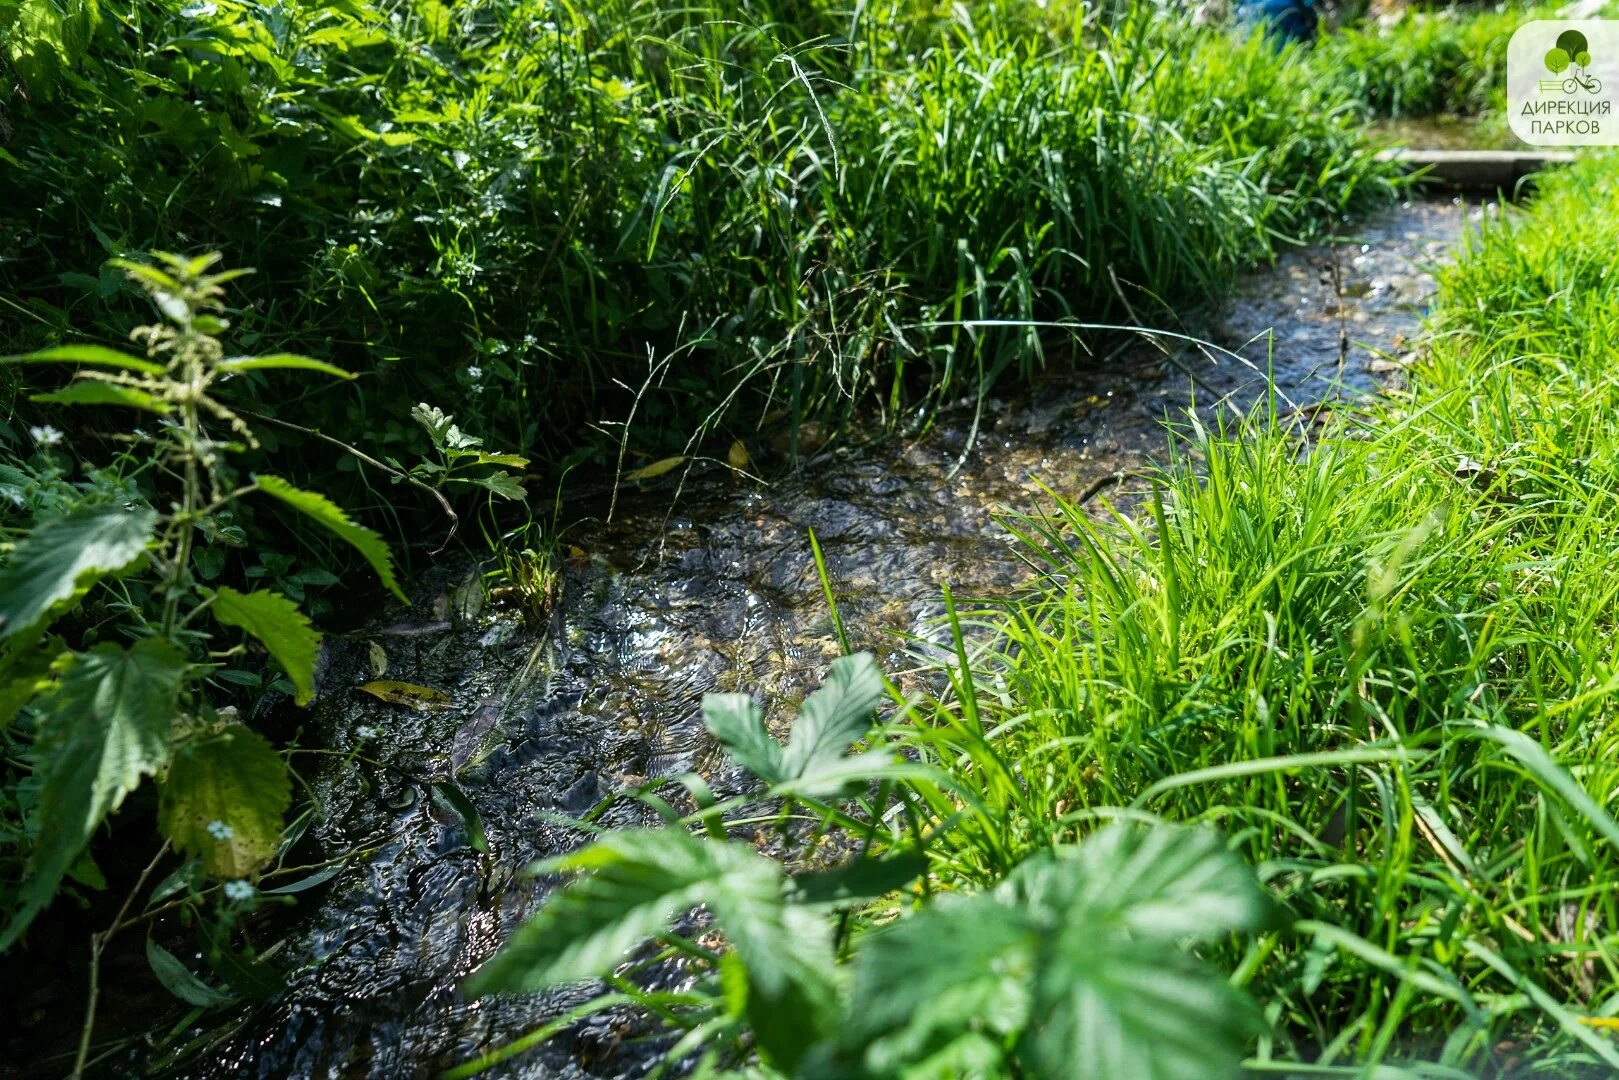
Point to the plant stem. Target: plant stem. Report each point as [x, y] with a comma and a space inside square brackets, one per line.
[98, 944]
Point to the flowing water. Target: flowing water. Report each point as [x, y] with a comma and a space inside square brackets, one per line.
[720, 593]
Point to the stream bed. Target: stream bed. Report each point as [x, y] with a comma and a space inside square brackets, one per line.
[717, 590]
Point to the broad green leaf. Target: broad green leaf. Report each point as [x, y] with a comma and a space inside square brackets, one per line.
[1166, 882]
[104, 727]
[636, 883]
[834, 716]
[283, 629]
[67, 555]
[98, 355]
[1106, 1007]
[223, 800]
[830, 720]
[281, 361]
[434, 420]
[503, 484]
[1074, 964]
[179, 980]
[738, 725]
[961, 969]
[95, 392]
[329, 514]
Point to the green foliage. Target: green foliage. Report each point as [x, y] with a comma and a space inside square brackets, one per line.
[62, 558]
[728, 208]
[325, 512]
[830, 719]
[223, 800]
[1448, 61]
[1073, 966]
[105, 726]
[280, 626]
[1385, 665]
[98, 718]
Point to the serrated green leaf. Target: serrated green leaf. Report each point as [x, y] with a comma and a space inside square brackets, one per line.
[834, 716]
[98, 355]
[637, 883]
[280, 626]
[831, 719]
[503, 484]
[65, 556]
[179, 980]
[95, 392]
[282, 361]
[1166, 882]
[104, 727]
[323, 510]
[739, 726]
[26, 670]
[1065, 978]
[223, 801]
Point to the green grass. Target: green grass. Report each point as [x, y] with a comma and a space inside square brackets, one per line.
[1450, 61]
[1382, 662]
[515, 208]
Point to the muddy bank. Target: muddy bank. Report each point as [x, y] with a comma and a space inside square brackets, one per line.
[720, 593]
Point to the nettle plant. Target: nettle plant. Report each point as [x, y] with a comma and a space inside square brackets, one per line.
[1074, 966]
[107, 717]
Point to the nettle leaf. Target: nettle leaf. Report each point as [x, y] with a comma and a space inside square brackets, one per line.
[283, 629]
[829, 721]
[637, 882]
[103, 728]
[282, 362]
[739, 726]
[323, 510]
[95, 392]
[97, 355]
[1075, 964]
[1166, 882]
[223, 800]
[66, 556]
[834, 716]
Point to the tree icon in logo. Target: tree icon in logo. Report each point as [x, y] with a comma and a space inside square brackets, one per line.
[1571, 52]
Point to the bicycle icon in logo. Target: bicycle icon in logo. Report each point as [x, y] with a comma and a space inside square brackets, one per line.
[1572, 55]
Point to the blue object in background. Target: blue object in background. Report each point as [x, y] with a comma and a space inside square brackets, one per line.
[1291, 20]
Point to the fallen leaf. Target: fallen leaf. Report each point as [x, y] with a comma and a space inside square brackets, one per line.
[421, 698]
[379, 661]
[657, 468]
[738, 457]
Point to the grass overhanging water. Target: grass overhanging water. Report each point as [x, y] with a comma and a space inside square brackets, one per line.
[1333, 704]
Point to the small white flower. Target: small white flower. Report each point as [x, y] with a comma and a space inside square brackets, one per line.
[45, 435]
[474, 372]
[220, 831]
[365, 731]
[238, 890]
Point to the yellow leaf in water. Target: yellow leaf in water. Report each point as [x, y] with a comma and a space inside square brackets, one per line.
[379, 661]
[657, 468]
[424, 698]
[738, 457]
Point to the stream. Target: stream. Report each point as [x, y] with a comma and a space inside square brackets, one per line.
[717, 590]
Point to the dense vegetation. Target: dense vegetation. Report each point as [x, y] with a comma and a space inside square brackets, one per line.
[1379, 669]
